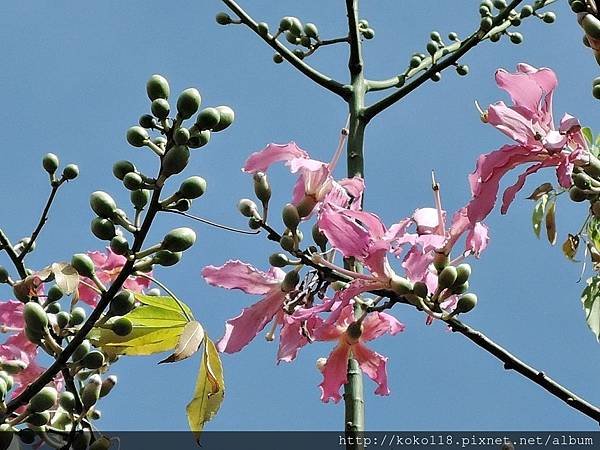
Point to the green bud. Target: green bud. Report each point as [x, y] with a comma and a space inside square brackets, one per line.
[577, 195]
[290, 281]
[486, 24]
[499, 4]
[70, 172]
[462, 70]
[432, 47]
[122, 326]
[13, 366]
[400, 286]
[122, 303]
[466, 303]
[549, 17]
[137, 136]
[435, 36]
[132, 181]
[35, 317]
[81, 350]
[119, 245]
[311, 30]
[122, 168]
[415, 61]
[160, 108]
[223, 18]
[463, 272]
[147, 121]
[526, 11]
[285, 24]
[226, 118]
[319, 237]
[53, 308]
[516, 38]
[175, 160]
[596, 91]
[50, 163]
[420, 289]
[262, 28]
[103, 443]
[43, 400]
[83, 264]
[299, 53]
[495, 37]
[440, 260]
[453, 36]
[9, 380]
[279, 260]
[296, 26]
[437, 76]
[93, 360]
[160, 141]
[179, 239]
[181, 136]
[460, 288]
[39, 419]
[157, 87]
[192, 187]
[62, 319]
[107, 385]
[261, 187]
[290, 216]
[447, 277]
[247, 208]
[578, 6]
[103, 228]
[34, 336]
[4, 276]
[369, 33]
[166, 258]
[288, 243]
[66, 400]
[103, 204]
[200, 139]
[26, 435]
[188, 103]
[54, 294]
[140, 198]
[208, 118]
[91, 391]
[277, 58]
[183, 204]
[77, 316]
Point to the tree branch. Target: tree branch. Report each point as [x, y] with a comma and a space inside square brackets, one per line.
[319, 78]
[6, 245]
[355, 62]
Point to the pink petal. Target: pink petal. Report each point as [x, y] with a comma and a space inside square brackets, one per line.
[426, 220]
[378, 324]
[373, 364]
[477, 239]
[292, 338]
[240, 330]
[343, 233]
[334, 373]
[243, 276]
[260, 161]
[511, 123]
[11, 314]
[511, 192]
[569, 124]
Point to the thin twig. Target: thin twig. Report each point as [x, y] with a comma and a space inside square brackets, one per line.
[210, 222]
[168, 291]
[6, 245]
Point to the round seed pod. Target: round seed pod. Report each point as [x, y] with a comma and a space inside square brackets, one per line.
[81, 350]
[50, 163]
[107, 385]
[175, 160]
[466, 303]
[93, 360]
[160, 108]
[122, 326]
[77, 316]
[35, 317]
[140, 198]
[400, 286]
[188, 103]
[166, 258]
[122, 168]
[447, 277]
[208, 118]
[63, 318]
[192, 187]
[226, 118]
[103, 228]
[181, 136]
[463, 272]
[279, 260]
[122, 303]
[102, 204]
[137, 136]
[83, 264]
[4, 276]
[179, 239]
[39, 419]
[132, 181]
[119, 245]
[54, 294]
[91, 391]
[290, 216]
[157, 87]
[43, 400]
[290, 281]
[70, 172]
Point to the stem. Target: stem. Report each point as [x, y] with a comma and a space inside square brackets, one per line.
[319, 78]
[210, 222]
[6, 245]
[355, 404]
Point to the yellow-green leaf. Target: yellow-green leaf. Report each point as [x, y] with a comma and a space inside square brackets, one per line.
[164, 303]
[538, 214]
[209, 391]
[551, 222]
[188, 344]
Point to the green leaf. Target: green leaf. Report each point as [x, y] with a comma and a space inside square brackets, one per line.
[551, 221]
[590, 299]
[164, 303]
[593, 232]
[538, 214]
[189, 342]
[209, 391]
[587, 133]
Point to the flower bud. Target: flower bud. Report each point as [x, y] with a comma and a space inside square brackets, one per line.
[279, 260]
[591, 26]
[192, 187]
[140, 198]
[50, 163]
[81, 350]
[277, 58]
[91, 391]
[70, 172]
[62, 319]
[83, 264]
[288, 243]
[447, 277]
[179, 239]
[175, 160]
[181, 136]
[103, 229]
[137, 136]
[262, 28]
[43, 400]
[122, 303]
[420, 289]
[147, 121]
[119, 245]
[35, 317]
[13, 366]
[103, 204]
[157, 87]
[466, 303]
[486, 24]
[577, 195]
[93, 360]
[516, 38]
[122, 168]
[226, 118]
[306, 206]
[261, 187]
[319, 237]
[9, 380]
[285, 24]
[160, 108]
[208, 118]
[166, 258]
[66, 400]
[369, 33]
[4, 276]
[52, 308]
[290, 281]
[132, 181]
[39, 419]
[107, 385]
[460, 288]
[463, 272]
[223, 18]
[400, 286]
[248, 208]
[311, 30]
[290, 216]
[188, 103]
[77, 316]
[199, 139]
[102, 443]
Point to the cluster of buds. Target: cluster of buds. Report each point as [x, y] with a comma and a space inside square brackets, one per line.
[486, 11]
[588, 18]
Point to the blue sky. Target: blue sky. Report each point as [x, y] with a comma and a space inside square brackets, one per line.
[73, 79]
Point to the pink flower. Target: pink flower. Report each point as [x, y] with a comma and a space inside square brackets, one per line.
[240, 330]
[530, 123]
[351, 337]
[108, 266]
[315, 182]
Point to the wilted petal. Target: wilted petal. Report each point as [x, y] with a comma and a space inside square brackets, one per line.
[373, 364]
[334, 373]
[260, 161]
[239, 275]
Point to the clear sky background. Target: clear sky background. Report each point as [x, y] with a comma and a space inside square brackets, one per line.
[73, 80]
